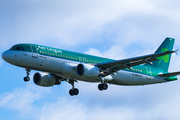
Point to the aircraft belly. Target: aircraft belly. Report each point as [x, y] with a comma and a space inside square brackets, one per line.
[132, 78]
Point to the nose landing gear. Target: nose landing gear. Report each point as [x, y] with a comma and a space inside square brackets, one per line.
[27, 72]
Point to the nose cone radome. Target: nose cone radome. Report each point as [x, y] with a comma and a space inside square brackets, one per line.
[5, 56]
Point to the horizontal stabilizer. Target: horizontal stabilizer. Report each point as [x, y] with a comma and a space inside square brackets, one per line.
[169, 74]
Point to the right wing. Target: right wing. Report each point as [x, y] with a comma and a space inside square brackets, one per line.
[114, 66]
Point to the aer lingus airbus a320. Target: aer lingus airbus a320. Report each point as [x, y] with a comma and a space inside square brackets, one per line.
[61, 65]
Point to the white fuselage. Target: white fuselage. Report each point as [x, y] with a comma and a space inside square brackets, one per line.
[57, 66]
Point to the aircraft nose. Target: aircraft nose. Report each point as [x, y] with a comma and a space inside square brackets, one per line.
[5, 56]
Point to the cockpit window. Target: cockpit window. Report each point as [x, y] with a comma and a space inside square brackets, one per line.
[17, 48]
[22, 48]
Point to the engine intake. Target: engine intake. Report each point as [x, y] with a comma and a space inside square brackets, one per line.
[80, 69]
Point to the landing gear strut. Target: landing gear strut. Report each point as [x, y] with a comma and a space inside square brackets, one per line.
[102, 86]
[27, 72]
[73, 91]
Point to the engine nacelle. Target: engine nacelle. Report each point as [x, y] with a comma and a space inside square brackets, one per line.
[44, 79]
[69, 69]
[87, 70]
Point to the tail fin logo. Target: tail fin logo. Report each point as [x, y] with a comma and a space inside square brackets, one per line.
[165, 58]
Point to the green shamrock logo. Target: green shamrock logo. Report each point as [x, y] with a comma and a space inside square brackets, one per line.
[165, 58]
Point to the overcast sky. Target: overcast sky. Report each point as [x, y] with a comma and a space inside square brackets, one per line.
[112, 29]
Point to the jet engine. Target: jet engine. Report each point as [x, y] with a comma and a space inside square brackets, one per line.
[44, 79]
[87, 70]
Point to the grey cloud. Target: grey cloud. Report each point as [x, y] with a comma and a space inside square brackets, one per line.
[22, 100]
[125, 102]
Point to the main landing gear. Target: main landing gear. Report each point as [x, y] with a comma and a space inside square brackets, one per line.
[27, 72]
[73, 91]
[102, 86]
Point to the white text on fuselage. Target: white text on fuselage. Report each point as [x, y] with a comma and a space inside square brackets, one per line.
[49, 49]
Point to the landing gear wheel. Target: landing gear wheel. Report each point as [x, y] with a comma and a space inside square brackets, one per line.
[105, 86]
[71, 92]
[74, 91]
[102, 86]
[26, 79]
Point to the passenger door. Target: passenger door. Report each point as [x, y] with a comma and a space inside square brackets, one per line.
[149, 73]
[34, 51]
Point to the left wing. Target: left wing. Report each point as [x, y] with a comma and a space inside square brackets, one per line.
[112, 67]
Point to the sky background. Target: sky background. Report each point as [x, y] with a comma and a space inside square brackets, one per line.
[112, 29]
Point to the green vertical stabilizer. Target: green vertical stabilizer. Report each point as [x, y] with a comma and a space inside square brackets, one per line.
[163, 61]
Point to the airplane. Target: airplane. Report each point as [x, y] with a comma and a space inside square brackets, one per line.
[57, 65]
